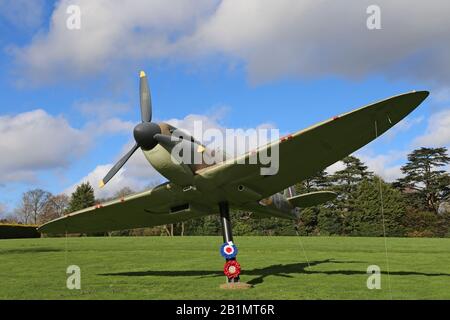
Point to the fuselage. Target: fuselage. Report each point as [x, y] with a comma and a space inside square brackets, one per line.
[187, 177]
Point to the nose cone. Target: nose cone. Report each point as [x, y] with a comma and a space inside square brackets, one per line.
[143, 134]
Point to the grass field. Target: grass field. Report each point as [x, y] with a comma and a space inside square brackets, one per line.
[190, 268]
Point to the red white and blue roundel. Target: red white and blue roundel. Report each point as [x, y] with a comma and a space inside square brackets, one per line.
[228, 250]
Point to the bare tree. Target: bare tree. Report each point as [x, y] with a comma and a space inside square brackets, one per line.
[125, 191]
[2, 209]
[24, 211]
[55, 207]
[171, 228]
[169, 231]
[5, 216]
[32, 205]
[122, 193]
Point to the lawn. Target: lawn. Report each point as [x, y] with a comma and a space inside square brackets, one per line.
[190, 268]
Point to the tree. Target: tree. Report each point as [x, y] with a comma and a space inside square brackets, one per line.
[209, 225]
[55, 207]
[427, 185]
[345, 183]
[32, 205]
[9, 218]
[422, 224]
[243, 222]
[329, 221]
[308, 221]
[371, 204]
[319, 181]
[125, 191]
[2, 209]
[82, 197]
[355, 171]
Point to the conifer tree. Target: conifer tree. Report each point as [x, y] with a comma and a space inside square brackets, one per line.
[82, 197]
[424, 182]
[374, 199]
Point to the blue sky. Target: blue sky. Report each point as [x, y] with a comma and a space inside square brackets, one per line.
[69, 98]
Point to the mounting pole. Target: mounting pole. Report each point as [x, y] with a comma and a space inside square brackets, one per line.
[225, 221]
[227, 233]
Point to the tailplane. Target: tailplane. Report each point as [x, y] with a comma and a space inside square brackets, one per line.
[312, 199]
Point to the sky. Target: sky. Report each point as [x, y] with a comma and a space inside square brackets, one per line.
[69, 96]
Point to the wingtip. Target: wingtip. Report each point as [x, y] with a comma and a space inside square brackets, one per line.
[141, 74]
[424, 93]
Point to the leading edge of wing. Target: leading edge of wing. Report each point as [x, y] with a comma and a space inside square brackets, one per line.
[415, 97]
[156, 197]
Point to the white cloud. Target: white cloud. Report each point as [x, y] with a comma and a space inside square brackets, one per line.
[403, 126]
[136, 175]
[388, 165]
[337, 166]
[111, 32]
[231, 146]
[34, 141]
[109, 126]
[316, 38]
[273, 38]
[437, 133]
[441, 95]
[101, 116]
[384, 165]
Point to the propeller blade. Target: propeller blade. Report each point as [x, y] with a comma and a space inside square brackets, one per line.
[117, 166]
[167, 141]
[177, 132]
[145, 99]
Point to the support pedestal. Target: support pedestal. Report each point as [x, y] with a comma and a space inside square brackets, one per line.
[233, 282]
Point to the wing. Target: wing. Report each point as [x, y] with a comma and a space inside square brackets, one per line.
[306, 152]
[162, 205]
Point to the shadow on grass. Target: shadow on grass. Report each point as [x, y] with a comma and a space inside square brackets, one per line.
[280, 270]
[29, 250]
[277, 270]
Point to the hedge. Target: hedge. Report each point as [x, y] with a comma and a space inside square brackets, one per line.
[17, 231]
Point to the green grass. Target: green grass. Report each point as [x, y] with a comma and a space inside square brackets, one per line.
[190, 268]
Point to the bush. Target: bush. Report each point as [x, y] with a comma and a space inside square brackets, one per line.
[18, 231]
[424, 224]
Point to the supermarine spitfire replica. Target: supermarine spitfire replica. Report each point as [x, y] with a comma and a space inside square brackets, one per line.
[197, 190]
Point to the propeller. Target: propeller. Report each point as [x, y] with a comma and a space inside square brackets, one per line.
[144, 133]
[145, 99]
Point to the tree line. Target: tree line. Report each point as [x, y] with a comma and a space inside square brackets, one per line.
[416, 205]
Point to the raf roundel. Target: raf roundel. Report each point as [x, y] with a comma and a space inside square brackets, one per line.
[228, 250]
